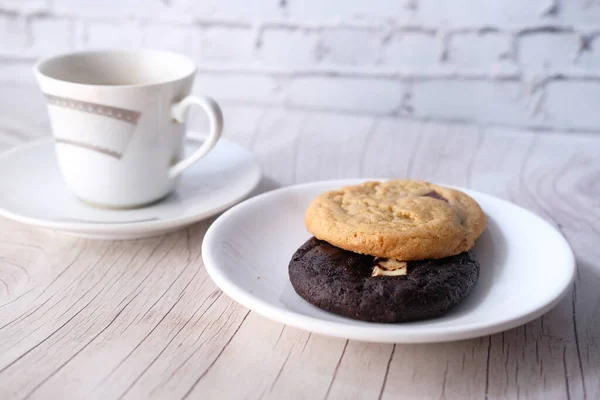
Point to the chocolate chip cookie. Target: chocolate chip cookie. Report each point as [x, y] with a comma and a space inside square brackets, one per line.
[342, 282]
[400, 219]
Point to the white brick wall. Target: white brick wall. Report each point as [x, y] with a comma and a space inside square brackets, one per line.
[344, 10]
[180, 39]
[25, 7]
[346, 94]
[573, 103]
[347, 46]
[107, 34]
[239, 88]
[228, 10]
[480, 51]
[412, 51]
[460, 13]
[52, 36]
[288, 47]
[532, 63]
[227, 44]
[548, 51]
[580, 11]
[589, 57]
[15, 37]
[488, 102]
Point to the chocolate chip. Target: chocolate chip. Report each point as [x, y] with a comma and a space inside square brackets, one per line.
[435, 195]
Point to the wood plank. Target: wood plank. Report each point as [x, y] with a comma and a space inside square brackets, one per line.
[540, 359]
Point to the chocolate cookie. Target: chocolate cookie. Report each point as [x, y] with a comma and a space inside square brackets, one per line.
[400, 219]
[340, 281]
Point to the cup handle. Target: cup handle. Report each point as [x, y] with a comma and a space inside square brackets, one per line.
[179, 112]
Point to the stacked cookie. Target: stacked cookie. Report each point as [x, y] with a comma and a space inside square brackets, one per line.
[389, 251]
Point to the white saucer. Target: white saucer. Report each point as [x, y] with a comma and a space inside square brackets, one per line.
[33, 192]
[526, 267]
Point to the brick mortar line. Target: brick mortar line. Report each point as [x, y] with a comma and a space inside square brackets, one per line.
[399, 75]
[375, 24]
[368, 73]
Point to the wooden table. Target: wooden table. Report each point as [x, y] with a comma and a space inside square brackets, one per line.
[134, 319]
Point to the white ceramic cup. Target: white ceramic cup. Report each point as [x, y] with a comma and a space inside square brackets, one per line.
[118, 120]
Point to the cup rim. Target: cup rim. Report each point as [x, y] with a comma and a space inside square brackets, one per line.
[38, 65]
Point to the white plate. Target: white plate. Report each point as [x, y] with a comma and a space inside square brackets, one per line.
[33, 192]
[526, 267]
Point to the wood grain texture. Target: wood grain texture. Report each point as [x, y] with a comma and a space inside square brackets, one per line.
[142, 319]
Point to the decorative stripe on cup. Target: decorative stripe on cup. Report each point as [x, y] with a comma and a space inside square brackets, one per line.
[121, 114]
[88, 146]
